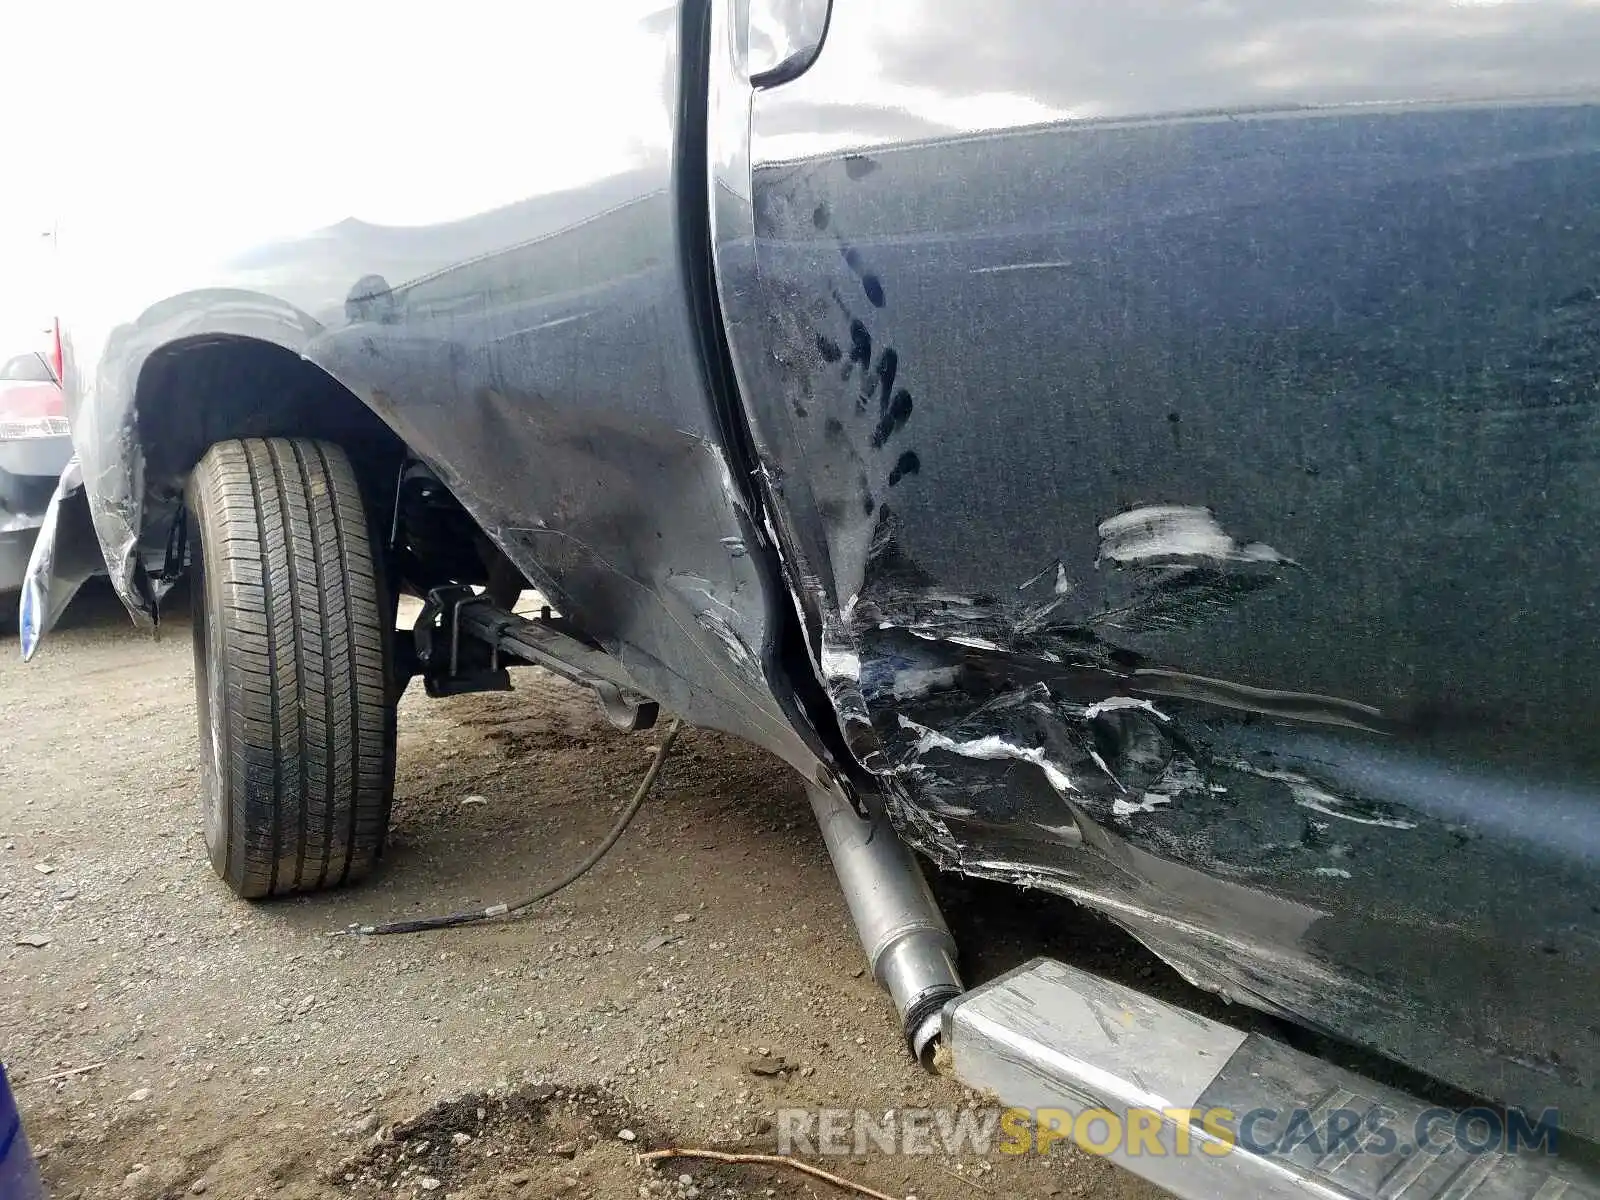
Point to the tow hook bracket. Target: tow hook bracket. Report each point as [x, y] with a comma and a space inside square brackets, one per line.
[463, 642]
[447, 667]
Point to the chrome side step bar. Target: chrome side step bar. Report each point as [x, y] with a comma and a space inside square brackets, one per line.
[1064, 1043]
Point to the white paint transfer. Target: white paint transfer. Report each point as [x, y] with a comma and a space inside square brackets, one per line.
[841, 664]
[1181, 775]
[1050, 265]
[1101, 763]
[908, 685]
[976, 643]
[1149, 802]
[992, 748]
[1160, 533]
[1113, 703]
[1317, 798]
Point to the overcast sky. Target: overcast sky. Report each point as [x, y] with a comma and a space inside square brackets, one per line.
[156, 131]
[189, 120]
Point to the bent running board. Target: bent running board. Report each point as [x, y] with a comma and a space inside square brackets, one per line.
[1207, 1111]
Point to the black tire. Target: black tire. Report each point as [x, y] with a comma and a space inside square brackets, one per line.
[293, 656]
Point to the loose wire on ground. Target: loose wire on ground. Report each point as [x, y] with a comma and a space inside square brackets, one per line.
[769, 1160]
[418, 924]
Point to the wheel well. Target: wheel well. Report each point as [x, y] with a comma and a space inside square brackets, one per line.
[194, 393]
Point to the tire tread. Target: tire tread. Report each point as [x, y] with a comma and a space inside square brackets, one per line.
[309, 779]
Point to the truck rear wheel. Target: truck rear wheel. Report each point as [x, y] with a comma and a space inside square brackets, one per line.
[292, 663]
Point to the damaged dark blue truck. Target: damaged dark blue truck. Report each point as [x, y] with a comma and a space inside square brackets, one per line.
[1149, 453]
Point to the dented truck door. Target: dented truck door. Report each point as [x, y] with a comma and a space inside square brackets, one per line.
[1181, 423]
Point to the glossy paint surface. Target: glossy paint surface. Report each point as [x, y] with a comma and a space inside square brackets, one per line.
[1174, 426]
[541, 355]
[1185, 423]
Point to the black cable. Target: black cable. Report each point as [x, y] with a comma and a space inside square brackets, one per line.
[418, 924]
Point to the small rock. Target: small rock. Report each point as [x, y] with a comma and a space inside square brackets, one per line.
[566, 1150]
[460, 1139]
[362, 1127]
[683, 918]
[198, 1187]
[67, 894]
[686, 1179]
[428, 1183]
[626, 1135]
[757, 1065]
[44, 868]
[140, 1096]
[466, 800]
[660, 940]
[137, 1181]
[305, 1005]
[36, 941]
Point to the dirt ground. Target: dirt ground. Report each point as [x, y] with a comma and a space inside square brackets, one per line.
[241, 1050]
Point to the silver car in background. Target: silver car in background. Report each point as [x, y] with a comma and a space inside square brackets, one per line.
[34, 448]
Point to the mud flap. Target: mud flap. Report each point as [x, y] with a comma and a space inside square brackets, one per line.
[65, 555]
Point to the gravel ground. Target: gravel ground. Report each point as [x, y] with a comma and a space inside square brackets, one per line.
[240, 1050]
